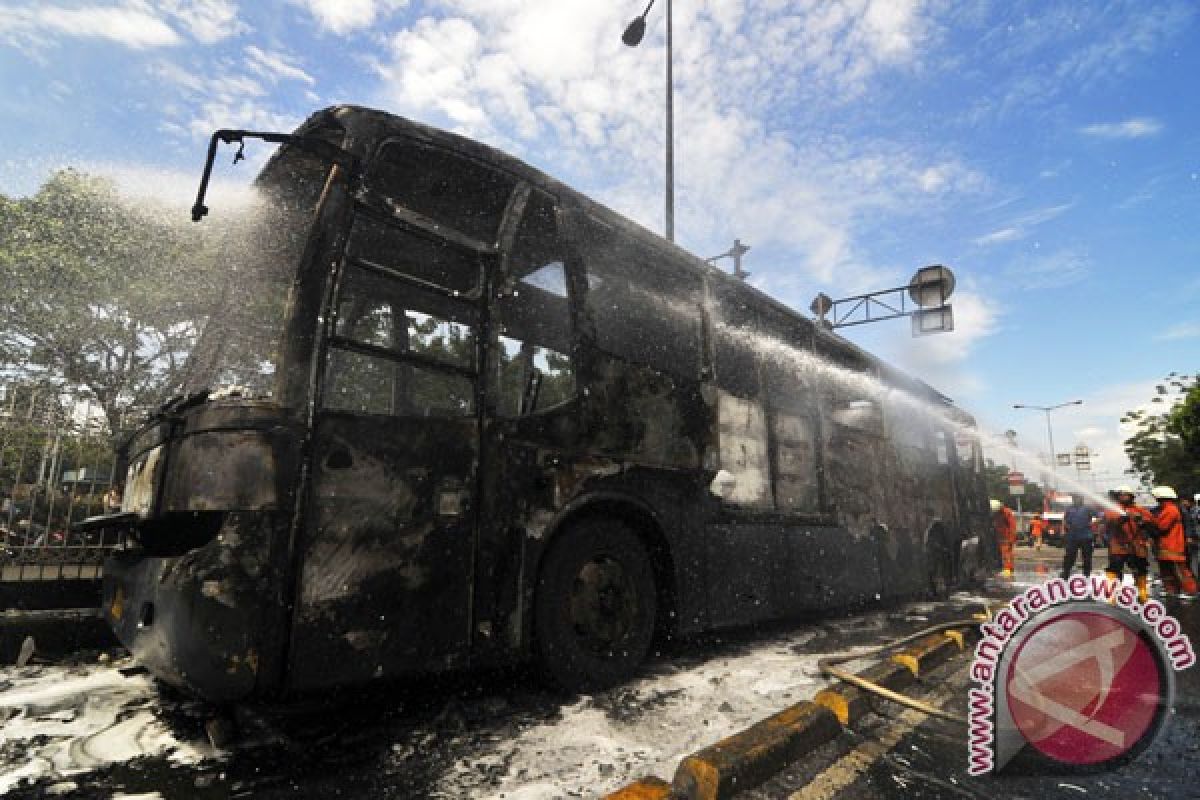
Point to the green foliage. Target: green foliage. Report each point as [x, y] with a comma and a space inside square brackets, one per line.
[996, 477]
[1164, 448]
[128, 304]
[99, 293]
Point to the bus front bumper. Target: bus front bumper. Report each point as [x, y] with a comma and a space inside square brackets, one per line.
[192, 632]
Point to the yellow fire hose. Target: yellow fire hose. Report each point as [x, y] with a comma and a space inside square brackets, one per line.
[827, 666]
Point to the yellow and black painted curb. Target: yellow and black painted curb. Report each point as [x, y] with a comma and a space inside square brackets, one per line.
[645, 789]
[748, 758]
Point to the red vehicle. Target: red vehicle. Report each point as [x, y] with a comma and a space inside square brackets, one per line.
[1054, 505]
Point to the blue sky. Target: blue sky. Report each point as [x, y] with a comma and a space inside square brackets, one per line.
[1048, 152]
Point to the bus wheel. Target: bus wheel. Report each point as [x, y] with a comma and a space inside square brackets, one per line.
[595, 607]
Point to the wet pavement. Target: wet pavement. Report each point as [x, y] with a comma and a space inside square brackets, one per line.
[84, 729]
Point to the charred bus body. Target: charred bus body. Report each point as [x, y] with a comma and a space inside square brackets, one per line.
[486, 419]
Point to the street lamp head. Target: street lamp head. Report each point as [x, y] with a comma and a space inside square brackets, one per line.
[1017, 405]
[632, 36]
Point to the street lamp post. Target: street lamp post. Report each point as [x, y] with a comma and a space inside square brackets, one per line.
[1050, 431]
[632, 38]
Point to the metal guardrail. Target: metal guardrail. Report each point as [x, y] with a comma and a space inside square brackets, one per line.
[56, 555]
[57, 468]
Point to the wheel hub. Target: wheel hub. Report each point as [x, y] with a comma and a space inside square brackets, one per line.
[602, 605]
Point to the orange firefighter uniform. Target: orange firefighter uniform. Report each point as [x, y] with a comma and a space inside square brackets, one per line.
[1127, 545]
[1037, 529]
[1172, 550]
[1005, 523]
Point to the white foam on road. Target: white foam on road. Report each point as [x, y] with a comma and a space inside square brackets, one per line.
[86, 716]
[588, 751]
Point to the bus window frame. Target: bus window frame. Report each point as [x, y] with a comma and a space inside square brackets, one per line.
[824, 514]
[514, 216]
[384, 211]
[393, 210]
[333, 341]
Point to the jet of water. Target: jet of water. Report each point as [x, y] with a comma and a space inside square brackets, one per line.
[906, 407]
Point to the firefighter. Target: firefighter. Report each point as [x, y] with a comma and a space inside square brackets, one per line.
[1005, 524]
[1127, 544]
[1166, 522]
[1037, 529]
[1078, 536]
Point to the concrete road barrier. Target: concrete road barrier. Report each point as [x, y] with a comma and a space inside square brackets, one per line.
[927, 653]
[850, 703]
[645, 789]
[746, 759]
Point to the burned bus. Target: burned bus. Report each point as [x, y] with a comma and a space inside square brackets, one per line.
[464, 416]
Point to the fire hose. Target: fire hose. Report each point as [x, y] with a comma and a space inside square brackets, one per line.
[828, 666]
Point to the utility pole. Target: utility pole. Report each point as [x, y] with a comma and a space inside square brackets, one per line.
[1050, 431]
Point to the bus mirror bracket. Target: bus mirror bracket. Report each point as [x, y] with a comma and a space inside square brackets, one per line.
[312, 144]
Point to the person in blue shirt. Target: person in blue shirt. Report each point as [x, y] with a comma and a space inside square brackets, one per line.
[1077, 535]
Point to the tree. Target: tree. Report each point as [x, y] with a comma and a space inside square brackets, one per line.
[105, 299]
[1164, 448]
[996, 477]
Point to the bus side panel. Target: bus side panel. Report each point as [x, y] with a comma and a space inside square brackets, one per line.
[919, 518]
[746, 584]
[657, 430]
[843, 567]
[903, 563]
[773, 571]
[678, 509]
[386, 560]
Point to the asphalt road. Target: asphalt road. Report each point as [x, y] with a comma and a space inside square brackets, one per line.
[507, 736]
[903, 754]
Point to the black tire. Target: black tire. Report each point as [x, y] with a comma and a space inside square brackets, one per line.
[595, 606]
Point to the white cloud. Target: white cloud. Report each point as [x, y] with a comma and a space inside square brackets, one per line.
[1019, 228]
[999, 236]
[1182, 330]
[131, 25]
[247, 114]
[346, 16]
[1132, 128]
[1096, 424]
[208, 21]
[230, 88]
[275, 65]
[555, 80]
[1054, 270]
[1077, 51]
[974, 319]
[944, 360]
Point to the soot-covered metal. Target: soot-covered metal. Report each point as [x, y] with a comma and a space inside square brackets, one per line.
[507, 423]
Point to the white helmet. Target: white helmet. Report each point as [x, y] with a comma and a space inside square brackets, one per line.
[1164, 493]
[996, 505]
[1124, 489]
